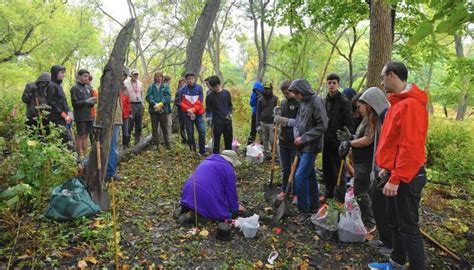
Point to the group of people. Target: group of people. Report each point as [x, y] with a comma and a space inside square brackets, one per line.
[383, 137]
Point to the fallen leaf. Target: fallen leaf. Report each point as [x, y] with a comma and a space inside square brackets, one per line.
[369, 237]
[274, 240]
[278, 230]
[338, 257]
[163, 257]
[90, 259]
[204, 233]
[289, 245]
[304, 265]
[125, 267]
[269, 266]
[81, 264]
[258, 264]
[67, 254]
[267, 209]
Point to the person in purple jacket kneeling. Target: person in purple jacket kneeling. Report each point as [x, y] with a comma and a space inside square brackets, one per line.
[213, 187]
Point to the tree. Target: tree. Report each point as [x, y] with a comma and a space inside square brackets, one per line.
[465, 71]
[258, 12]
[380, 47]
[197, 43]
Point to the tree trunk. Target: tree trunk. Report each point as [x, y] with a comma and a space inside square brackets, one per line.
[109, 92]
[465, 81]
[380, 47]
[197, 43]
[137, 38]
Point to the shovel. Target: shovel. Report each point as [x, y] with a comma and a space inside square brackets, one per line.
[101, 195]
[283, 208]
[271, 191]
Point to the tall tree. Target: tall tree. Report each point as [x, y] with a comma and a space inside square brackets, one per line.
[197, 43]
[465, 76]
[380, 45]
[258, 13]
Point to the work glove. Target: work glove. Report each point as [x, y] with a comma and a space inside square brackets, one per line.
[158, 106]
[278, 119]
[192, 116]
[344, 135]
[277, 110]
[344, 148]
[91, 100]
[228, 116]
[66, 117]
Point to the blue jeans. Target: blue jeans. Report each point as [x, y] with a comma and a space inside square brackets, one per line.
[306, 184]
[287, 155]
[113, 153]
[199, 122]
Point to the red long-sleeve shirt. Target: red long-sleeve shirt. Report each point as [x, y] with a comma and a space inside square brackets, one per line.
[401, 148]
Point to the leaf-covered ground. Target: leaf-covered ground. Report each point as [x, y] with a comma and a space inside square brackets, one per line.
[150, 237]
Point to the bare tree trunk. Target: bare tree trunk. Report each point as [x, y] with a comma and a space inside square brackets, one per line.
[109, 93]
[464, 96]
[380, 48]
[137, 38]
[197, 43]
[261, 43]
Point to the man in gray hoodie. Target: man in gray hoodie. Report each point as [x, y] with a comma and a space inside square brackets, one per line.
[311, 123]
[35, 98]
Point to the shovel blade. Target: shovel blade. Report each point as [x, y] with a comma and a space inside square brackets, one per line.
[280, 211]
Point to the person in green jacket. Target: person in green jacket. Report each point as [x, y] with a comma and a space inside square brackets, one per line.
[158, 97]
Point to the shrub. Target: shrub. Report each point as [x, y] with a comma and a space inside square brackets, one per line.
[35, 166]
[449, 149]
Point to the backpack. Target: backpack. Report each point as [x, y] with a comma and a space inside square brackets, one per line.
[71, 200]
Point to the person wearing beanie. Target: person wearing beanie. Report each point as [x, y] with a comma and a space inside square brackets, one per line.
[257, 92]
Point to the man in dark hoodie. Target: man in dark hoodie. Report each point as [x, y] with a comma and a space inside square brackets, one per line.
[311, 123]
[264, 116]
[59, 112]
[286, 118]
[35, 98]
[338, 110]
[82, 102]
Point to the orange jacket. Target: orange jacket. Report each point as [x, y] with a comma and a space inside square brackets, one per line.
[401, 147]
[94, 93]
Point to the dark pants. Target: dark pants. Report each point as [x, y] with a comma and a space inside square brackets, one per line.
[219, 130]
[331, 164]
[201, 128]
[379, 209]
[182, 125]
[126, 132]
[362, 188]
[287, 156]
[402, 211]
[253, 129]
[160, 120]
[136, 121]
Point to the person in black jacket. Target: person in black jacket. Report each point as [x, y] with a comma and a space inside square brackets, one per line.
[338, 110]
[264, 116]
[219, 106]
[35, 98]
[56, 99]
[287, 119]
[82, 102]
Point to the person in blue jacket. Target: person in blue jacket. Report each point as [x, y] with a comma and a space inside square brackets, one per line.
[257, 92]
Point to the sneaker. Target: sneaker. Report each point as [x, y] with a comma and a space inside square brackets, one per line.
[117, 177]
[390, 265]
[281, 196]
[386, 251]
[301, 218]
[375, 243]
[295, 200]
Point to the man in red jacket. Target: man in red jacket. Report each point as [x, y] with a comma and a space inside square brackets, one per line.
[401, 155]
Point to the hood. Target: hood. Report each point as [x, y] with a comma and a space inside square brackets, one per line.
[301, 86]
[349, 93]
[257, 85]
[413, 92]
[44, 77]
[54, 73]
[376, 99]
[217, 157]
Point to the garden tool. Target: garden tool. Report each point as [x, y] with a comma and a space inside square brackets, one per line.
[102, 194]
[463, 264]
[271, 191]
[285, 204]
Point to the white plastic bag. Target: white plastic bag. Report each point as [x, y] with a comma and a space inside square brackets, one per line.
[235, 145]
[325, 222]
[350, 227]
[249, 225]
[255, 153]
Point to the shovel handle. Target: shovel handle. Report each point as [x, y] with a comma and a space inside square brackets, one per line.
[99, 158]
[339, 175]
[292, 174]
[275, 137]
[436, 243]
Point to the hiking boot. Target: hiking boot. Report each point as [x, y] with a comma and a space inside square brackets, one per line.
[301, 218]
[386, 251]
[375, 243]
[322, 200]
